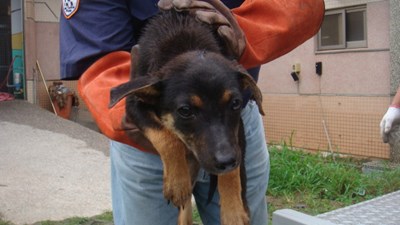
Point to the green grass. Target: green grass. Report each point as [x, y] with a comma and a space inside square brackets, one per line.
[103, 219]
[196, 216]
[306, 182]
[315, 184]
[2, 222]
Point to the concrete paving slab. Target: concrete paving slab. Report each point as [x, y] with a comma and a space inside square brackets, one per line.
[382, 210]
[50, 168]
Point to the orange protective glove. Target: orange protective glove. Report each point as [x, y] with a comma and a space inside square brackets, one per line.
[94, 87]
[275, 27]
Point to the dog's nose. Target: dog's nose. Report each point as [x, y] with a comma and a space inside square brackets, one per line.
[225, 162]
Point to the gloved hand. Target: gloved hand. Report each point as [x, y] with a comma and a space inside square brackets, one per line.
[228, 28]
[133, 132]
[391, 118]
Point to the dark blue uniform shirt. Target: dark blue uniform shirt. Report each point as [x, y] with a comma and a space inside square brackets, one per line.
[98, 27]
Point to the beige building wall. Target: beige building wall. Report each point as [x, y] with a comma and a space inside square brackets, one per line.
[339, 111]
[41, 28]
[330, 4]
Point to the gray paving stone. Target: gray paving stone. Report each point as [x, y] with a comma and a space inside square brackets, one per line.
[384, 210]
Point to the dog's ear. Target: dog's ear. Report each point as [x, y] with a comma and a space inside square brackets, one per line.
[134, 61]
[248, 82]
[145, 88]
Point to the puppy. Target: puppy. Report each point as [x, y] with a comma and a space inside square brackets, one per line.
[185, 95]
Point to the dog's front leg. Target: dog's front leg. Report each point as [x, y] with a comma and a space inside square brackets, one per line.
[177, 183]
[185, 214]
[232, 208]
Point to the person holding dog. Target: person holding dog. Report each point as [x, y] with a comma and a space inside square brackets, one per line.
[95, 40]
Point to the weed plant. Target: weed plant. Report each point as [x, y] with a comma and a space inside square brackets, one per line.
[315, 184]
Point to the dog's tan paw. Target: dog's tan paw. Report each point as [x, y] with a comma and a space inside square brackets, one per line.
[235, 218]
[177, 189]
[185, 214]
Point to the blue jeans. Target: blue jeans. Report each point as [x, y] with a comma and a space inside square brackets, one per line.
[137, 182]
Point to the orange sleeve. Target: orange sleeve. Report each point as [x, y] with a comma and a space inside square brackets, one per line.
[275, 27]
[94, 88]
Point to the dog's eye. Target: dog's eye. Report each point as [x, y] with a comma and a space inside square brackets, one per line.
[186, 112]
[236, 104]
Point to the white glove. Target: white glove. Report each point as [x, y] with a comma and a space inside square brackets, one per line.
[391, 118]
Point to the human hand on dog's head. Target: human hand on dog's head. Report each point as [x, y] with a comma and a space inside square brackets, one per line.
[213, 13]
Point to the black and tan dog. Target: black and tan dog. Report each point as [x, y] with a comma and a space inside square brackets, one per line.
[185, 95]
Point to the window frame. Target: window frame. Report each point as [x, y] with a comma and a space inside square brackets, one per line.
[346, 44]
[362, 43]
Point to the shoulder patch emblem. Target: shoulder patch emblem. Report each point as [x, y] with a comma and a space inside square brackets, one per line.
[70, 7]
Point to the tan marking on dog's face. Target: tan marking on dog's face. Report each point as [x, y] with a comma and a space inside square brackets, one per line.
[169, 122]
[226, 96]
[163, 139]
[155, 117]
[189, 140]
[196, 101]
[149, 90]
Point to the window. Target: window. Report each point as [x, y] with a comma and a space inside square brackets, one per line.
[344, 28]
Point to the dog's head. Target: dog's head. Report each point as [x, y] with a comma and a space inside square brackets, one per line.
[197, 96]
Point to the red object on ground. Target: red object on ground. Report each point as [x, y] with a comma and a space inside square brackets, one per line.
[6, 96]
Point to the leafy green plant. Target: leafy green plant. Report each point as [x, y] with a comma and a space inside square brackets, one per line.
[102, 219]
[2, 222]
[315, 184]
